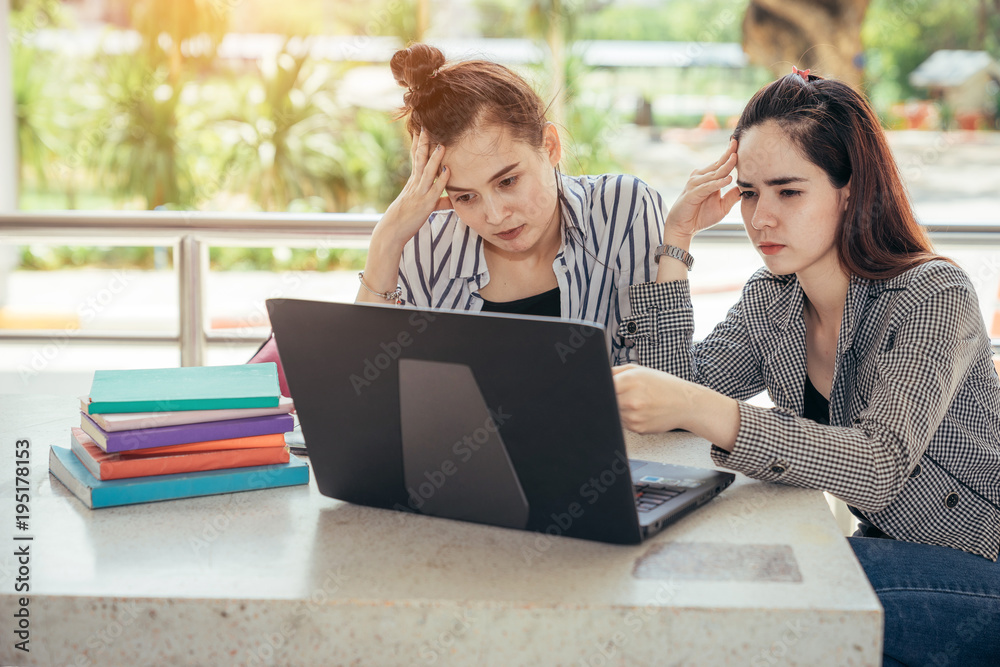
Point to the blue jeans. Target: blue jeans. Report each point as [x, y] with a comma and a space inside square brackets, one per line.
[942, 605]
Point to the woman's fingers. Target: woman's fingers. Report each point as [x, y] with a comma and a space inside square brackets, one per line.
[729, 199]
[432, 170]
[414, 143]
[717, 172]
[422, 151]
[727, 155]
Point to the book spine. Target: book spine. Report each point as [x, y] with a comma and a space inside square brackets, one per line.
[182, 404]
[168, 465]
[180, 434]
[253, 441]
[94, 493]
[166, 487]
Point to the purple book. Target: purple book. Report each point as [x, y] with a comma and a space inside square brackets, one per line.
[144, 438]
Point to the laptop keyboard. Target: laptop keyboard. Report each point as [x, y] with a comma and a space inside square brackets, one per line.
[650, 496]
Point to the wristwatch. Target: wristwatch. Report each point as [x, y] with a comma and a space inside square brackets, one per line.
[676, 253]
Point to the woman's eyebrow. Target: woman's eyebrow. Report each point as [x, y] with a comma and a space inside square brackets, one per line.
[510, 167]
[781, 180]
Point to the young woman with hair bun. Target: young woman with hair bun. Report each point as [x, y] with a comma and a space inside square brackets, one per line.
[872, 348]
[512, 234]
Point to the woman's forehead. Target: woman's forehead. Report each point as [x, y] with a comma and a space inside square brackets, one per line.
[766, 149]
[480, 153]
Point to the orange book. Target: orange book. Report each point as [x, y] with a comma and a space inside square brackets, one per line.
[103, 465]
[248, 442]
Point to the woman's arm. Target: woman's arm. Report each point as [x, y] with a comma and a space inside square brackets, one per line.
[908, 388]
[635, 262]
[912, 386]
[651, 401]
[403, 219]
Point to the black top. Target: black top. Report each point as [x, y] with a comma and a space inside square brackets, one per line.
[546, 303]
[817, 408]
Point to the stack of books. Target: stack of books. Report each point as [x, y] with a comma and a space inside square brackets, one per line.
[163, 433]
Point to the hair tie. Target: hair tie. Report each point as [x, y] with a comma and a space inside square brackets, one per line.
[804, 73]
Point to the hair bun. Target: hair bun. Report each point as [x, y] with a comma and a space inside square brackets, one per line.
[413, 67]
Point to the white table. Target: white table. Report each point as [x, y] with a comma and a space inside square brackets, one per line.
[759, 576]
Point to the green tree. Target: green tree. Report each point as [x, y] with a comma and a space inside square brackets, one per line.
[31, 72]
[670, 21]
[31, 111]
[180, 21]
[279, 137]
[900, 36]
[141, 152]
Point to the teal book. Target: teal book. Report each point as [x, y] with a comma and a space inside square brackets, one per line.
[185, 388]
[95, 493]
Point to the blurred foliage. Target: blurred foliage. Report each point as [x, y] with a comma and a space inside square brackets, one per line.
[203, 22]
[667, 21]
[141, 152]
[173, 128]
[283, 258]
[898, 37]
[29, 16]
[46, 257]
[277, 140]
[31, 110]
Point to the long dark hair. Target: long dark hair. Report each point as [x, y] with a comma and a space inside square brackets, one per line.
[837, 130]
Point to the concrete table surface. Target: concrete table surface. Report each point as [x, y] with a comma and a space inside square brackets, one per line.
[759, 576]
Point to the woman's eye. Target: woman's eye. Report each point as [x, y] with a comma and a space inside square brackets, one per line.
[747, 194]
[509, 181]
[790, 193]
[465, 199]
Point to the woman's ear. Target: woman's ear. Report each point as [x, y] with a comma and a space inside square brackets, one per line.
[845, 195]
[551, 143]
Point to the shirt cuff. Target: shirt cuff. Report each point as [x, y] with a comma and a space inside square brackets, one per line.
[751, 455]
[646, 297]
[656, 307]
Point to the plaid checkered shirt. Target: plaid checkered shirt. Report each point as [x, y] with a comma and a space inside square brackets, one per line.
[914, 434]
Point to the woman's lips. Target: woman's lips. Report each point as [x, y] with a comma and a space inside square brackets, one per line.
[770, 248]
[511, 234]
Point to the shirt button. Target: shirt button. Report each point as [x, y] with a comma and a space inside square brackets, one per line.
[564, 268]
[631, 327]
[915, 472]
[778, 469]
[951, 500]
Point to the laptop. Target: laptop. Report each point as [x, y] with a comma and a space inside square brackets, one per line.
[507, 420]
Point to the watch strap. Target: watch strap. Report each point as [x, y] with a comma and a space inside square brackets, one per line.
[676, 253]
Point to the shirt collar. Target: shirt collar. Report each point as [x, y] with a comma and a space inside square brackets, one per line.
[468, 258]
[786, 309]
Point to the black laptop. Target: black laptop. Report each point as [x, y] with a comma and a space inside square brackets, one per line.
[508, 420]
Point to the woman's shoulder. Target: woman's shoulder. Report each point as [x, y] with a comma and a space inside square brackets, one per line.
[440, 226]
[933, 275]
[605, 185]
[607, 198]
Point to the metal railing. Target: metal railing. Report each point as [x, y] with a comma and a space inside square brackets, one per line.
[191, 233]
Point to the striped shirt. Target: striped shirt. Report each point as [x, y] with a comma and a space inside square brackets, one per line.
[611, 225]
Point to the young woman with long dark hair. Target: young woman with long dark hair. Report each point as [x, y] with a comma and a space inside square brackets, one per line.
[872, 348]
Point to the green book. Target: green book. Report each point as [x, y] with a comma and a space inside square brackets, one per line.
[187, 388]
